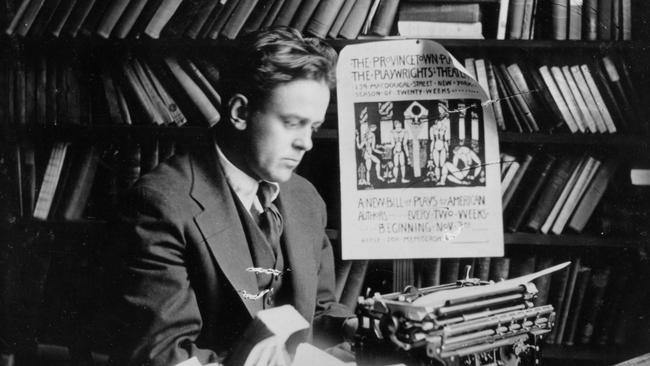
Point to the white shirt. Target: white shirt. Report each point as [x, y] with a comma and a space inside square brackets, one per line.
[244, 185]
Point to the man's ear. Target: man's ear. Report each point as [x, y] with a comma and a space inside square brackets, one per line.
[238, 111]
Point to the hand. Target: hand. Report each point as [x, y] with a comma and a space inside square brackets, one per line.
[269, 352]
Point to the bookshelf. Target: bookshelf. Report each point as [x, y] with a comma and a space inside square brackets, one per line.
[78, 238]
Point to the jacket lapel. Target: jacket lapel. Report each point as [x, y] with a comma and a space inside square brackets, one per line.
[221, 227]
[300, 233]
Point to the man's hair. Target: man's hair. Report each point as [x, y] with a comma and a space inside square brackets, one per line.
[262, 60]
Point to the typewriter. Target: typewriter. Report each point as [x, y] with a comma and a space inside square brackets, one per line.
[470, 322]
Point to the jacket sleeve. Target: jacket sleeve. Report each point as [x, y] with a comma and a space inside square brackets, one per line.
[156, 311]
[330, 314]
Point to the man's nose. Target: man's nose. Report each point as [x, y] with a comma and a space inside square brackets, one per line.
[303, 140]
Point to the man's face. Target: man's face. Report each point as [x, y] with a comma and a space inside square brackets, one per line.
[279, 133]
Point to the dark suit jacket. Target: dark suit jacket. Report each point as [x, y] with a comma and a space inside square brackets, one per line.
[185, 263]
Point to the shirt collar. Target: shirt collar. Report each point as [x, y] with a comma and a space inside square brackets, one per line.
[244, 186]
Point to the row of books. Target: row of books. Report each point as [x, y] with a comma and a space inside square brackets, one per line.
[593, 97]
[194, 19]
[50, 91]
[78, 180]
[550, 193]
[593, 300]
[566, 19]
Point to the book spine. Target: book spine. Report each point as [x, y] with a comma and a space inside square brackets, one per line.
[594, 303]
[222, 18]
[168, 103]
[527, 19]
[586, 122]
[272, 14]
[28, 18]
[285, 16]
[499, 268]
[543, 283]
[254, 21]
[201, 18]
[605, 19]
[550, 219]
[50, 181]
[616, 25]
[502, 19]
[304, 13]
[597, 123]
[626, 19]
[140, 95]
[516, 180]
[451, 13]
[384, 18]
[61, 16]
[592, 196]
[111, 17]
[15, 21]
[494, 95]
[77, 18]
[575, 313]
[575, 20]
[516, 18]
[590, 20]
[340, 18]
[84, 174]
[353, 23]
[506, 181]
[161, 17]
[563, 313]
[513, 76]
[128, 18]
[560, 18]
[567, 95]
[207, 110]
[238, 18]
[323, 18]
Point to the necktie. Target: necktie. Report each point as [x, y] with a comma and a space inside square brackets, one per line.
[271, 222]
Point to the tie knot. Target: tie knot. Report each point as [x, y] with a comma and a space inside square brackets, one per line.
[265, 193]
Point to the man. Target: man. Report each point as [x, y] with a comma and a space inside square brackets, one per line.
[205, 250]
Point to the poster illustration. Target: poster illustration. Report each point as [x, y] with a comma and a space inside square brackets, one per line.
[424, 181]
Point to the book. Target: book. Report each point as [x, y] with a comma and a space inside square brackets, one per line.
[354, 283]
[592, 195]
[563, 312]
[593, 112]
[605, 19]
[608, 96]
[511, 113]
[585, 123]
[631, 92]
[78, 186]
[50, 180]
[40, 71]
[184, 16]
[557, 206]
[369, 17]
[517, 176]
[323, 18]
[77, 17]
[590, 20]
[340, 18]
[542, 283]
[522, 264]
[15, 20]
[111, 95]
[111, 17]
[577, 305]
[577, 191]
[384, 18]
[567, 95]
[238, 18]
[354, 21]
[598, 99]
[626, 20]
[168, 103]
[210, 8]
[575, 20]
[286, 14]
[28, 17]
[516, 18]
[304, 13]
[90, 23]
[555, 117]
[139, 94]
[272, 14]
[560, 19]
[506, 180]
[499, 268]
[202, 81]
[162, 112]
[502, 22]
[449, 269]
[594, 300]
[518, 91]
[403, 274]
[551, 192]
[494, 95]
[538, 112]
[161, 17]
[616, 21]
[483, 268]
[527, 192]
[60, 17]
[129, 18]
[193, 91]
[528, 19]
[222, 18]
[445, 13]
[256, 18]
[43, 18]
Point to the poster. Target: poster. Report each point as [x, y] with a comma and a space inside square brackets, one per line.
[419, 155]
